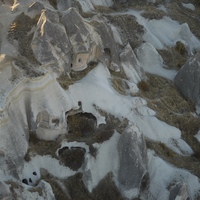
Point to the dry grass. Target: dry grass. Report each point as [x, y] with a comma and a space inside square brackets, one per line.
[76, 188]
[86, 131]
[186, 162]
[183, 15]
[81, 125]
[40, 147]
[106, 189]
[104, 9]
[173, 58]
[180, 48]
[172, 108]
[72, 158]
[152, 12]
[57, 190]
[36, 189]
[120, 85]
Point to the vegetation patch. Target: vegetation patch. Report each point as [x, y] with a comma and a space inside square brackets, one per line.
[36, 189]
[183, 15]
[106, 189]
[81, 125]
[132, 35]
[84, 130]
[120, 85]
[143, 86]
[152, 12]
[59, 192]
[76, 188]
[186, 162]
[174, 57]
[172, 108]
[103, 9]
[180, 47]
[72, 158]
[41, 147]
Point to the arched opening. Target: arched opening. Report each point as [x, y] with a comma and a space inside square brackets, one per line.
[107, 53]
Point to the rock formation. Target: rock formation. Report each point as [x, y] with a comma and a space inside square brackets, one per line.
[187, 79]
[132, 161]
[69, 88]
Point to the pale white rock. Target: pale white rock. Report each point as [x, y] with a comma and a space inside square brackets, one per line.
[152, 62]
[132, 67]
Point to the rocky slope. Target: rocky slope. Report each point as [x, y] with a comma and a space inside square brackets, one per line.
[90, 102]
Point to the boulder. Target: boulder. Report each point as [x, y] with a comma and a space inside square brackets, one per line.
[107, 44]
[132, 160]
[50, 43]
[187, 80]
[179, 191]
[132, 68]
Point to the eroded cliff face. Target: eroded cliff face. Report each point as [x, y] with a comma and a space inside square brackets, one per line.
[84, 86]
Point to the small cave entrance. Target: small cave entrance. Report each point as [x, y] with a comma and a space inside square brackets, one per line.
[107, 56]
[81, 125]
[107, 53]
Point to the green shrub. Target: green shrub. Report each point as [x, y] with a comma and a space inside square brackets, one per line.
[180, 47]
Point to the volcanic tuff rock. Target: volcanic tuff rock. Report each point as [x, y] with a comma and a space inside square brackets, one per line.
[50, 43]
[132, 160]
[91, 50]
[188, 79]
